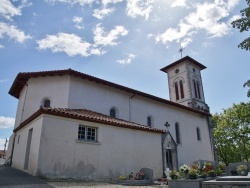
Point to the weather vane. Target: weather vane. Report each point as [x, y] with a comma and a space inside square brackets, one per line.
[181, 50]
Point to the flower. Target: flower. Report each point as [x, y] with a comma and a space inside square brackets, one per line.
[174, 175]
[140, 175]
[207, 167]
[122, 178]
[184, 169]
[242, 168]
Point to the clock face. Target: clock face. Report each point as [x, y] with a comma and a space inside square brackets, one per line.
[177, 71]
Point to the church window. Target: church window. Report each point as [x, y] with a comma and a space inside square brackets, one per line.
[149, 121]
[46, 103]
[198, 89]
[195, 89]
[18, 139]
[181, 88]
[198, 133]
[86, 133]
[176, 90]
[112, 112]
[177, 133]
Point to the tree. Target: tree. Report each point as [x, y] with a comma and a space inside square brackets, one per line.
[248, 85]
[232, 133]
[243, 24]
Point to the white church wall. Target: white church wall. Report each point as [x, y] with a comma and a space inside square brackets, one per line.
[98, 97]
[55, 88]
[119, 151]
[21, 146]
[190, 148]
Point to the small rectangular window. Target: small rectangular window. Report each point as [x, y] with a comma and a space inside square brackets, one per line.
[86, 133]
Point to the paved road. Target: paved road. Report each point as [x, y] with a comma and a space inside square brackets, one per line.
[13, 178]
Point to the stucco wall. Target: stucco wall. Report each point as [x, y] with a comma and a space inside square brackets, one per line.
[21, 146]
[119, 152]
[98, 97]
[55, 88]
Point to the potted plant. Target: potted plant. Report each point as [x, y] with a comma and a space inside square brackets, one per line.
[140, 175]
[184, 169]
[174, 175]
[211, 173]
[203, 174]
[192, 174]
[242, 170]
[122, 178]
[131, 176]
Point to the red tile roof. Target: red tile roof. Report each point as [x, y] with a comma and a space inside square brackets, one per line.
[186, 58]
[87, 115]
[22, 78]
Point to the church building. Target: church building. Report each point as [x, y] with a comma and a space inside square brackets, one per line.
[73, 125]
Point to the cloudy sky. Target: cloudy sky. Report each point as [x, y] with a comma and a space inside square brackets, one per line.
[125, 42]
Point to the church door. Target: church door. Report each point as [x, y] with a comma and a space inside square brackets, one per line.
[169, 159]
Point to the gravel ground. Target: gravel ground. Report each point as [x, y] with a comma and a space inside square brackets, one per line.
[97, 185]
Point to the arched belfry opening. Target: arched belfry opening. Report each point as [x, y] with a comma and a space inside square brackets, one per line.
[185, 83]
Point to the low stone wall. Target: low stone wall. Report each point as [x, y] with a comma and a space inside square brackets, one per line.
[187, 183]
[225, 184]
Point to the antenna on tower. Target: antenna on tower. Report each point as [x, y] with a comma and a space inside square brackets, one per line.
[180, 50]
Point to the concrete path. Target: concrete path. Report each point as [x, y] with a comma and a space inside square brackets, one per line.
[13, 178]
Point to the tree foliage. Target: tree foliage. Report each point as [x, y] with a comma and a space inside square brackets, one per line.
[248, 85]
[232, 133]
[243, 24]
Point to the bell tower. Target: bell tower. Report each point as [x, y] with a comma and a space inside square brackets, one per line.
[185, 83]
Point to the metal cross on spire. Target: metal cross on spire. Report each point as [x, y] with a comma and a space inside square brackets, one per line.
[181, 50]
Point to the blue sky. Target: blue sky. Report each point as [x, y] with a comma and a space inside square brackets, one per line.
[123, 41]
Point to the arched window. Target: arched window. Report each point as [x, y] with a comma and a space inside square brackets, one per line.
[181, 88]
[46, 103]
[176, 91]
[195, 90]
[198, 89]
[198, 133]
[177, 133]
[149, 121]
[112, 112]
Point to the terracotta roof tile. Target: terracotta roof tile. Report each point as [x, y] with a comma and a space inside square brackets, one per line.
[22, 78]
[87, 115]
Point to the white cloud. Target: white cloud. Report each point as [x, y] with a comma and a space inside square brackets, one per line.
[7, 10]
[101, 13]
[1, 46]
[108, 38]
[235, 17]
[72, 44]
[68, 43]
[127, 60]
[12, 32]
[78, 21]
[207, 16]
[6, 122]
[150, 35]
[139, 8]
[106, 2]
[179, 3]
[2, 143]
[73, 2]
